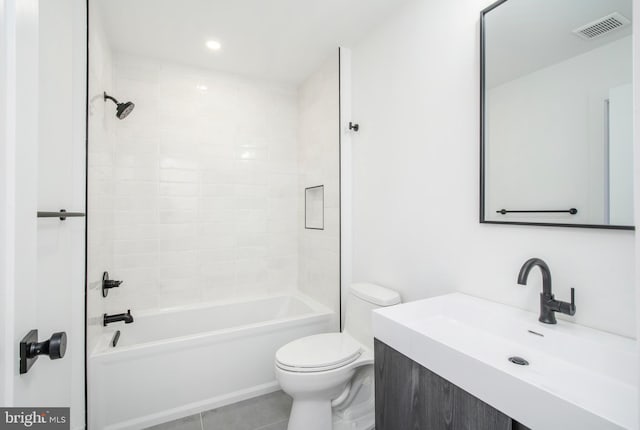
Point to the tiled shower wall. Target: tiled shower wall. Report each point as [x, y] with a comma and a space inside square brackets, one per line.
[205, 186]
[99, 175]
[319, 161]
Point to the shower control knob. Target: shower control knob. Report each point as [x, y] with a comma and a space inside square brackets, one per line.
[107, 284]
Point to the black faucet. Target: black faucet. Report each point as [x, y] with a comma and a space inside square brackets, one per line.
[127, 318]
[548, 304]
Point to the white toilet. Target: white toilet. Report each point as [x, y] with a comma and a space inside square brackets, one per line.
[330, 376]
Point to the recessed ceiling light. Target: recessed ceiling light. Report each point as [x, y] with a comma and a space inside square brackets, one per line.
[201, 87]
[214, 45]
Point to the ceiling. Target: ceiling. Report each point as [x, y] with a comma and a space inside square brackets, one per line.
[523, 36]
[282, 40]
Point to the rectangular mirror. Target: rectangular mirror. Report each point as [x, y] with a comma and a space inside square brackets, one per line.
[556, 113]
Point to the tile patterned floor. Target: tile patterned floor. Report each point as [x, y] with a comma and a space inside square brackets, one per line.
[268, 412]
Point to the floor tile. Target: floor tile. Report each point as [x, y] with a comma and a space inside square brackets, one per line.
[250, 414]
[192, 422]
[282, 425]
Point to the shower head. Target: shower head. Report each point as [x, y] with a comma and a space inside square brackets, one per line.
[122, 109]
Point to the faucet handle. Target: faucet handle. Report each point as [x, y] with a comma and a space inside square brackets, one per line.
[107, 284]
[569, 308]
[572, 308]
[573, 297]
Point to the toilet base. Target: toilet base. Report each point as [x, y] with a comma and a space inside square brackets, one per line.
[317, 415]
[359, 412]
[310, 415]
[355, 413]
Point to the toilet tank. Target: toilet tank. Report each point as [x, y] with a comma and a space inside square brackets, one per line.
[362, 299]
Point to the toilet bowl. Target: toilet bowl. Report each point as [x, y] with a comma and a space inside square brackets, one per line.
[319, 371]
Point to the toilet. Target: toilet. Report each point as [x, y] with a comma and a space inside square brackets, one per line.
[330, 376]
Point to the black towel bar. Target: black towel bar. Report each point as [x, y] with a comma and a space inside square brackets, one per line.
[571, 211]
[62, 214]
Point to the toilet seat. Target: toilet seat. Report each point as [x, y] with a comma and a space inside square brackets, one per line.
[318, 353]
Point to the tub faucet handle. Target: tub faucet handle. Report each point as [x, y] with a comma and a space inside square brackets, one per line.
[107, 284]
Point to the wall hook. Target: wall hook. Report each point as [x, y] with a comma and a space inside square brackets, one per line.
[354, 127]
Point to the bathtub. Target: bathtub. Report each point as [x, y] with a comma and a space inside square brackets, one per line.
[176, 362]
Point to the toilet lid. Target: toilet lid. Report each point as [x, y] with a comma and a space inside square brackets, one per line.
[325, 351]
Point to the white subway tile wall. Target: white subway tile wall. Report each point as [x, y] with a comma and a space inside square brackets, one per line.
[195, 164]
[196, 195]
[100, 202]
[319, 162]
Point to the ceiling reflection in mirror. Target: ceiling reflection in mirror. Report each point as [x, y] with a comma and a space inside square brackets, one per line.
[557, 136]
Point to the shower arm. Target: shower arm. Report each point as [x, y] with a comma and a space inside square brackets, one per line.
[108, 97]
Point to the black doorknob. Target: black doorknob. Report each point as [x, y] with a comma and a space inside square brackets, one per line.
[55, 347]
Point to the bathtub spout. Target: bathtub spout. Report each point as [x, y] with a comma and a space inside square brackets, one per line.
[108, 319]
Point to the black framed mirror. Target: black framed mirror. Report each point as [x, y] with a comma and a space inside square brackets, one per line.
[556, 135]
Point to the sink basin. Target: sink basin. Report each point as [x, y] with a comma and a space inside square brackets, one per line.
[576, 377]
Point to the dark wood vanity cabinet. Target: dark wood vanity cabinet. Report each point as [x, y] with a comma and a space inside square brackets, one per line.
[411, 397]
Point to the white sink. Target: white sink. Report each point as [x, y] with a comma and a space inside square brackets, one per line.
[577, 377]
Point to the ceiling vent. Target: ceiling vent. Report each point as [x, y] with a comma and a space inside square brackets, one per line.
[602, 26]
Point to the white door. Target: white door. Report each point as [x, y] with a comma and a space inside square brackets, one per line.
[42, 168]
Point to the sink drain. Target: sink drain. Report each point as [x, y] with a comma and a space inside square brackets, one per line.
[519, 361]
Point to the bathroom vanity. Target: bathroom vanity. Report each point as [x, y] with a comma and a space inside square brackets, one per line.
[410, 396]
[457, 362]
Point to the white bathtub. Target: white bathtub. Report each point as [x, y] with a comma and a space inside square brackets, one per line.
[177, 362]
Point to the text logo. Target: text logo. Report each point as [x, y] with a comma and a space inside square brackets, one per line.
[34, 418]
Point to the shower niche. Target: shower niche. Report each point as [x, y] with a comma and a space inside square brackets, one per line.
[314, 208]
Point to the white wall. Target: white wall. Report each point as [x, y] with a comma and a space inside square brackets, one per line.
[621, 155]
[204, 176]
[558, 110]
[100, 165]
[346, 176]
[416, 167]
[318, 156]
